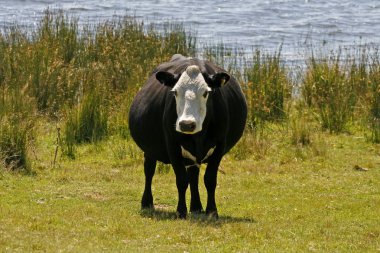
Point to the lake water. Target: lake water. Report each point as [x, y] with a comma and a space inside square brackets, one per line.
[247, 24]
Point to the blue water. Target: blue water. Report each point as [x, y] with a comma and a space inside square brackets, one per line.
[247, 24]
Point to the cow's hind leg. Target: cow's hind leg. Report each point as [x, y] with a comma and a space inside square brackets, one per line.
[193, 177]
[149, 169]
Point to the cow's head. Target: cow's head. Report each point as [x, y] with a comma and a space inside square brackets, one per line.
[191, 90]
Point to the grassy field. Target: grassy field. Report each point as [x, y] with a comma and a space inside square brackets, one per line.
[291, 199]
[305, 177]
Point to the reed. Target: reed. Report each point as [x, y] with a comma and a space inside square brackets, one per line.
[374, 101]
[13, 144]
[86, 123]
[16, 109]
[52, 63]
[59, 66]
[329, 88]
[300, 124]
[16, 127]
[267, 88]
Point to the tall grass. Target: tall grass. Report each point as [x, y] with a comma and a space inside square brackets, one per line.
[344, 89]
[88, 122]
[16, 109]
[54, 60]
[328, 87]
[16, 127]
[299, 122]
[374, 101]
[233, 59]
[13, 144]
[267, 88]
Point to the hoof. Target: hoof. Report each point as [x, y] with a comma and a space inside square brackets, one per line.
[147, 202]
[196, 211]
[212, 214]
[181, 215]
[196, 208]
[147, 207]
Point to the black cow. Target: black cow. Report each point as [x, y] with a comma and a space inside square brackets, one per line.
[189, 112]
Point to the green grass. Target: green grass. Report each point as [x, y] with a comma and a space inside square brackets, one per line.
[374, 98]
[328, 87]
[288, 200]
[267, 88]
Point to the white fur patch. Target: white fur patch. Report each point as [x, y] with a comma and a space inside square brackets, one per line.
[209, 153]
[190, 99]
[188, 155]
[190, 95]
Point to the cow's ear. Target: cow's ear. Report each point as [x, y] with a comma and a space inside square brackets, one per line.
[217, 80]
[166, 78]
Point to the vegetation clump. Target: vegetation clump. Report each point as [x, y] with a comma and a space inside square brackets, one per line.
[267, 88]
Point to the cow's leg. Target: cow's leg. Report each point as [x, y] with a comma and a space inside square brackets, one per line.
[182, 184]
[193, 176]
[210, 180]
[149, 169]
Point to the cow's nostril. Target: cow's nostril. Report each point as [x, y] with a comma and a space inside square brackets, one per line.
[187, 125]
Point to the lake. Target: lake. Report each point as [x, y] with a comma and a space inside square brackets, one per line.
[294, 24]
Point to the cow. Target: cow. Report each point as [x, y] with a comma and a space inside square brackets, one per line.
[189, 112]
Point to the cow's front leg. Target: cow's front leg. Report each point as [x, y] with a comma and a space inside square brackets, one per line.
[182, 184]
[210, 180]
[149, 169]
[195, 203]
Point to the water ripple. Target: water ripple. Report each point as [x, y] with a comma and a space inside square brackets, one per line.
[248, 23]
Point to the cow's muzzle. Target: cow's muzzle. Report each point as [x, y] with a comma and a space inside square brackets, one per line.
[187, 126]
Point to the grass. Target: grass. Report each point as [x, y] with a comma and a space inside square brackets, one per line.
[327, 87]
[374, 115]
[88, 122]
[288, 186]
[267, 88]
[13, 142]
[283, 201]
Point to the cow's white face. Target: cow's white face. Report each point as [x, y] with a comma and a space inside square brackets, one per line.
[191, 94]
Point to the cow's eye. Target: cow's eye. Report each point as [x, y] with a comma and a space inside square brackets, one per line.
[205, 94]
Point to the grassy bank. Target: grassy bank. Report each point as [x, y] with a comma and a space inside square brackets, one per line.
[304, 177]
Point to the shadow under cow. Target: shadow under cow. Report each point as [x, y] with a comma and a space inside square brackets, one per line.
[162, 213]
